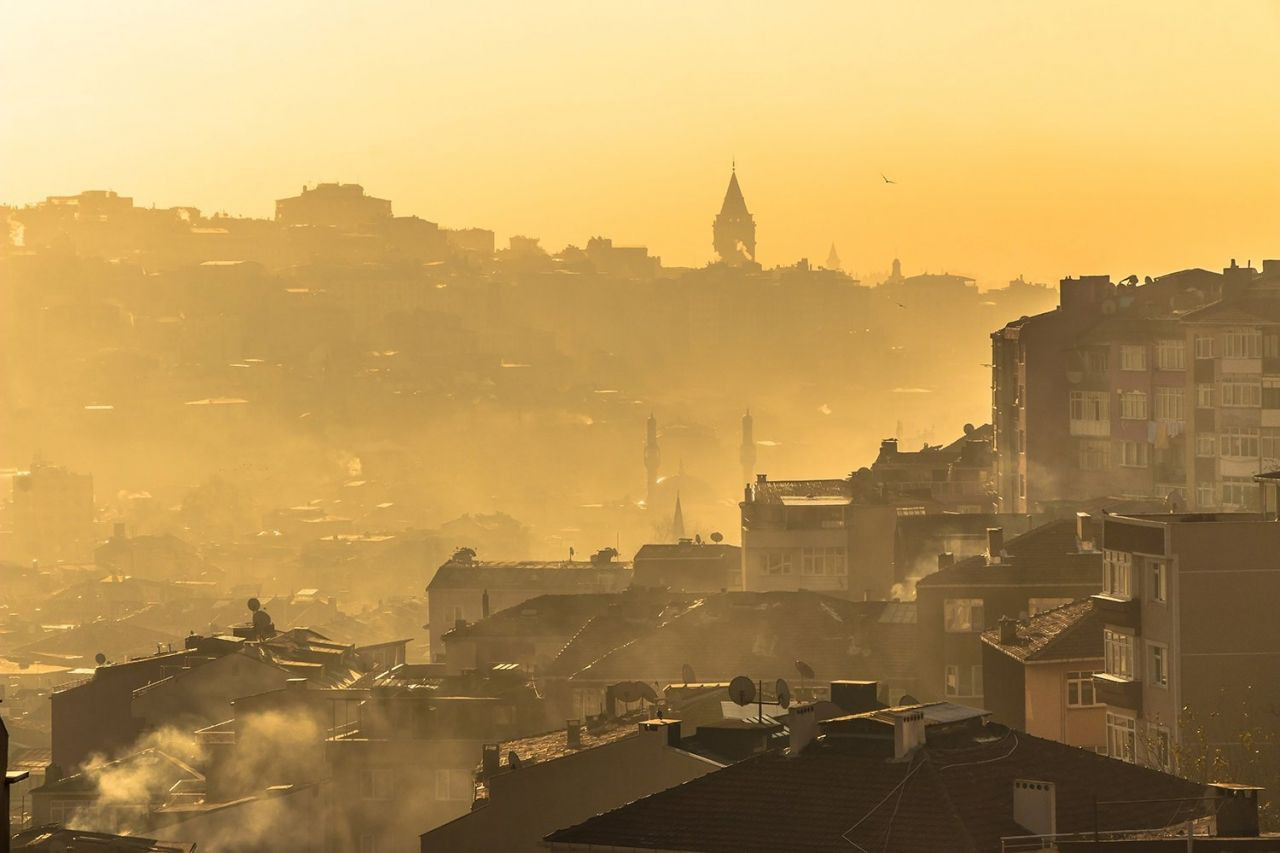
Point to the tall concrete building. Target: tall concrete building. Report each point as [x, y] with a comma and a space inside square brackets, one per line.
[1189, 639]
[734, 231]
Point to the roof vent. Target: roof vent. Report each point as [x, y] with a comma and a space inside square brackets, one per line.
[1035, 806]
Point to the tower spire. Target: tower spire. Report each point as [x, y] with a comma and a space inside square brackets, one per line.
[677, 521]
[747, 452]
[652, 458]
[734, 230]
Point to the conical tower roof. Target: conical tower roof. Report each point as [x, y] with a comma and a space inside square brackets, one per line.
[734, 203]
[677, 521]
[833, 260]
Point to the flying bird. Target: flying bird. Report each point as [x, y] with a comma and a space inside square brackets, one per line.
[886, 180]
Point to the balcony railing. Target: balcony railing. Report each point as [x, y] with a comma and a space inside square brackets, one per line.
[1081, 427]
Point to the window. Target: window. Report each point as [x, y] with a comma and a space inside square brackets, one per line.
[1204, 395]
[1239, 442]
[368, 843]
[1240, 392]
[1040, 605]
[822, 561]
[1133, 454]
[1133, 357]
[1271, 345]
[1270, 393]
[1080, 690]
[376, 784]
[459, 615]
[1159, 658]
[1269, 443]
[1095, 454]
[1161, 753]
[1242, 343]
[1240, 492]
[1158, 572]
[1121, 737]
[1171, 354]
[960, 615]
[1169, 404]
[777, 562]
[1206, 496]
[1204, 346]
[1095, 361]
[963, 680]
[1206, 445]
[454, 785]
[1133, 406]
[1118, 653]
[1116, 568]
[1089, 406]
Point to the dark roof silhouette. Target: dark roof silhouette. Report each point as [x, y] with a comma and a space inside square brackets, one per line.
[955, 794]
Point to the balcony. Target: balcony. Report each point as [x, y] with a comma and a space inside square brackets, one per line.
[1121, 612]
[1118, 692]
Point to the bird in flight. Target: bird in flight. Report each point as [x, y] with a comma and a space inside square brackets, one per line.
[886, 180]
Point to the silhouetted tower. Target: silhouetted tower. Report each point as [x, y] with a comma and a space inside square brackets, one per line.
[896, 275]
[734, 231]
[747, 453]
[677, 521]
[833, 260]
[652, 457]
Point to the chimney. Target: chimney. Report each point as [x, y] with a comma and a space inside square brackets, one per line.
[946, 560]
[1237, 809]
[995, 545]
[573, 733]
[908, 732]
[1035, 806]
[889, 447]
[855, 697]
[296, 684]
[490, 759]
[1086, 532]
[117, 531]
[1008, 630]
[659, 726]
[802, 721]
[484, 605]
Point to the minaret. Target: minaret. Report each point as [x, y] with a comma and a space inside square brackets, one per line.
[652, 457]
[833, 260]
[677, 521]
[896, 275]
[747, 453]
[734, 231]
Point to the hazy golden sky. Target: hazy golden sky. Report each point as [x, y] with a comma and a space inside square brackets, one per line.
[1046, 138]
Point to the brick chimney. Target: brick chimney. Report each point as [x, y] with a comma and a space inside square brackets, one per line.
[1008, 630]
[573, 733]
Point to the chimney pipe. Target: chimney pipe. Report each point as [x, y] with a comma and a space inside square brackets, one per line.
[995, 544]
[802, 722]
[1035, 806]
[1008, 630]
[946, 560]
[490, 759]
[1237, 809]
[573, 733]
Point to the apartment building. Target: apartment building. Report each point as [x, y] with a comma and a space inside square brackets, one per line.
[1189, 640]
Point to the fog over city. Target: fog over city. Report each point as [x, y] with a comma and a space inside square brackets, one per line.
[576, 426]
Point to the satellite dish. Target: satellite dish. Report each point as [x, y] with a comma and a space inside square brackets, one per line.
[100, 658]
[742, 690]
[686, 672]
[717, 537]
[783, 690]
[513, 760]
[628, 691]
[908, 699]
[804, 669]
[254, 604]
[647, 692]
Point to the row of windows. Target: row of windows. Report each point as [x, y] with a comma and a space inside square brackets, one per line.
[1122, 742]
[813, 561]
[965, 615]
[1118, 657]
[1118, 576]
[1171, 354]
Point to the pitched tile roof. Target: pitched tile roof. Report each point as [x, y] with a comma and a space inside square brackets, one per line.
[1070, 632]
[954, 795]
[530, 575]
[1043, 555]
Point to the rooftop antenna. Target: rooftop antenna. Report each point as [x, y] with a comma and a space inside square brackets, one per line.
[686, 672]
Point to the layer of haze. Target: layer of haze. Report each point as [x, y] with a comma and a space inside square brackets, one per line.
[1045, 138]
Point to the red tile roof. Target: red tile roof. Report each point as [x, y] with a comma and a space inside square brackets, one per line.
[1070, 632]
